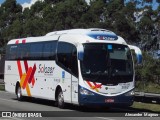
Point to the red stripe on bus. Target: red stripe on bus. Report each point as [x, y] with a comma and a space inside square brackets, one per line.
[89, 83]
[24, 41]
[17, 41]
[32, 74]
[19, 68]
[97, 85]
[33, 81]
[27, 77]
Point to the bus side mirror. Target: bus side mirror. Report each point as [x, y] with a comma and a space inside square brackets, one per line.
[80, 52]
[137, 52]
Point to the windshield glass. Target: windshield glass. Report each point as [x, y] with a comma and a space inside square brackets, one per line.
[107, 63]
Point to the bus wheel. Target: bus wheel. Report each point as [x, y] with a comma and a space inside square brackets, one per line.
[19, 93]
[60, 99]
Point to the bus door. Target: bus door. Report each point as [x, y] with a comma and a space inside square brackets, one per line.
[74, 90]
[67, 60]
[74, 71]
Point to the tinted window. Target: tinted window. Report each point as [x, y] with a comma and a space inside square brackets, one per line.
[67, 57]
[23, 51]
[32, 51]
[36, 51]
[11, 52]
[107, 63]
[64, 53]
[49, 50]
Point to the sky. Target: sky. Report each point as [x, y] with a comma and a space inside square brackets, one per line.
[24, 3]
[19, 1]
[28, 3]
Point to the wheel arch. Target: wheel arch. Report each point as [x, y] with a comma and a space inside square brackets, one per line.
[56, 91]
[17, 85]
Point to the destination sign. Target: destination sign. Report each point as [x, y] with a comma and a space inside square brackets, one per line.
[109, 37]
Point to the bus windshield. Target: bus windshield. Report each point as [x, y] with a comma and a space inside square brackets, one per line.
[106, 63]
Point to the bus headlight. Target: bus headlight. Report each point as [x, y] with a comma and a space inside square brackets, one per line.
[130, 93]
[85, 92]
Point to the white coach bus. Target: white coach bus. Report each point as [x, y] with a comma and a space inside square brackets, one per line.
[78, 66]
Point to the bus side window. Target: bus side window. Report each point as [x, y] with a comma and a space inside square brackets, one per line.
[67, 58]
[22, 53]
[36, 51]
[8, 52]
[74, 67]
[64, 53]
[13, 52]
[49, 50]
[25, 52]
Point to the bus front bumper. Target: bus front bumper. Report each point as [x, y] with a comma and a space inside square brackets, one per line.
[100, 100]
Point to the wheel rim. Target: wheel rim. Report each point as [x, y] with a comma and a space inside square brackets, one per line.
[60, 98]
[19, 93]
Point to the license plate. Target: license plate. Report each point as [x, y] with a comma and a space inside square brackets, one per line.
[109, 100]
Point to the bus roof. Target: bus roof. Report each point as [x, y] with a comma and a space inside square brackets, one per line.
[91, 35]
[34, 39]
[81, 31]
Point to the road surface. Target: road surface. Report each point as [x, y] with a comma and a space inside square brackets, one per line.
[46, 108]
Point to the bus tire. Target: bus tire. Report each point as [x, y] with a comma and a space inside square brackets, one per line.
[60, 99]
[19, 93]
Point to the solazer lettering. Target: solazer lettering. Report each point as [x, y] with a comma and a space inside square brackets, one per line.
[105, 38]
[45, 69]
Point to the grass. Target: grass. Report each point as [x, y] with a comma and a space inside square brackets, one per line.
[1, 87]
[149, 87]
[146, 107]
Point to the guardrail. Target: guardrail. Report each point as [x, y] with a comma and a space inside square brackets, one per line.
[147, 97]
[145, 94]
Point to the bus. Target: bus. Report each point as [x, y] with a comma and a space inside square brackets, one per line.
[85, 67]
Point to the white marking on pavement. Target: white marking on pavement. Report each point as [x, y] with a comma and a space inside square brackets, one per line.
[14, 118]
[104, 118]
[10, 118]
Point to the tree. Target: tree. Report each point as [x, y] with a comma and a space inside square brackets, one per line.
[10, 12]
[68, 14]
[146, 28]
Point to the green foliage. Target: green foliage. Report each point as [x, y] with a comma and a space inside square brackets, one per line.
[148, 75]
[148, 64]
